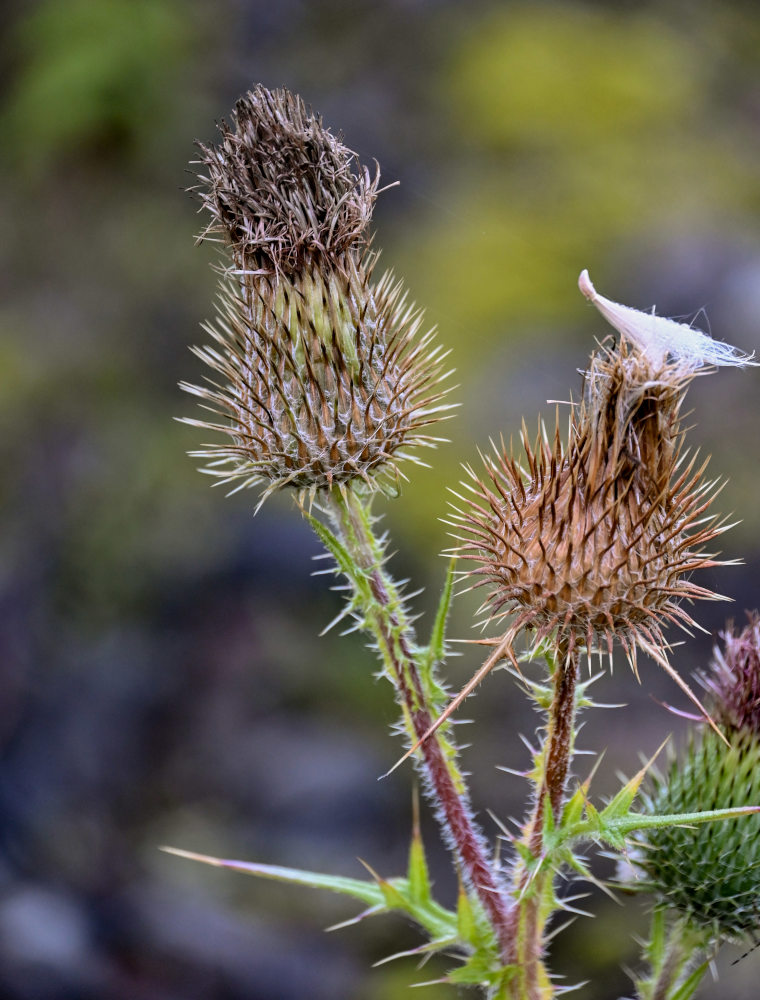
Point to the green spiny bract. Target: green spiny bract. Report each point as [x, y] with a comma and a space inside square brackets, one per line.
[320, 375]
[710, 873]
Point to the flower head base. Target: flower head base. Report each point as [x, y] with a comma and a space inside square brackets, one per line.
[597, 539]
[321, 376]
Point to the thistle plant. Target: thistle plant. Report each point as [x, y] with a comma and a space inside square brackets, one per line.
[324, 384]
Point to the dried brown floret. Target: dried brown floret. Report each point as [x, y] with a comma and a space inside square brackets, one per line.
[282, 189]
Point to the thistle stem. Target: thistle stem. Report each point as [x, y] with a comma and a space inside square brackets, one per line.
[558, 747]
[671, 957]
[444, 783]
[536, 895]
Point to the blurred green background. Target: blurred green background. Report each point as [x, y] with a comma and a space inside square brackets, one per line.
[162, 680]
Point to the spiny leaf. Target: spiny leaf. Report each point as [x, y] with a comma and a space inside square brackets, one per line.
[620, 805]
[397, 894]
[333, 544]
[366, 891]
[381, 895]
[637, 821]
[480, 968]
[424, 949]
[465, 915]
[473, 926]
[436, 648]
[575, 805]
[418, 873]
[394, 900]
[614, 830]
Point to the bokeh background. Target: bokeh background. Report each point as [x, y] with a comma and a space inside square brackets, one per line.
[161, 676]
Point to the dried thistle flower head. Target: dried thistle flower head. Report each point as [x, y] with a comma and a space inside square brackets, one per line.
[733, 681]
[281, 188]
[598, 538]
[320, 374]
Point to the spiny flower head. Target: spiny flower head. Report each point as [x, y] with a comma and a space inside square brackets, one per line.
[712, 873]
[597, 538]
[709, 872]
[320, 374]
[733, 681]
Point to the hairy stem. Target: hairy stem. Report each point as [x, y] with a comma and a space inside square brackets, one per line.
[385, 619]
[558, 746]
[536, 896]
[672, 955]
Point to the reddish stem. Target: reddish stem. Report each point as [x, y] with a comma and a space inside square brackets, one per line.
[452, 802]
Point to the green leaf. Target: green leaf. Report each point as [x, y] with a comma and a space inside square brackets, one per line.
[466, 926]
[657, 939]
[688, 987]
[573, 810]
[478, 969]
[368, 892]
[418, 873]
[333, 545]
[436, 649]
[622, 802]
[638, 821]
[382, 895]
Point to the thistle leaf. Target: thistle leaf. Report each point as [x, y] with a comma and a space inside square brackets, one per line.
[688, 988]
[418, 874]
[620, 805]
[368, 892]
[436, 648]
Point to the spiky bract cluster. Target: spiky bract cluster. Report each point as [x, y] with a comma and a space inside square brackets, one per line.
[733, 681]
[709, 872]
[320, 374]
[333, 386]
[596, 538]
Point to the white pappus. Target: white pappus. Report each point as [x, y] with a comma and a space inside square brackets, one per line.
[659, 337]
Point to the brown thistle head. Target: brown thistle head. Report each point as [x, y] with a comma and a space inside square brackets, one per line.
[320, 374]
[597, 538]
[281, 189]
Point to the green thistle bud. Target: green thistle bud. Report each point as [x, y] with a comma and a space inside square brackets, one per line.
[711, 873]
[320, 374]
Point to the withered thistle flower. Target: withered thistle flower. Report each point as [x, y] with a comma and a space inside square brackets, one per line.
[733, 682]
[320, 374]
[712, 873]
[597, 538]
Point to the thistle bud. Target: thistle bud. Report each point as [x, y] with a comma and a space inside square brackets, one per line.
[712, 873]
[320, 374]
[598, 538]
